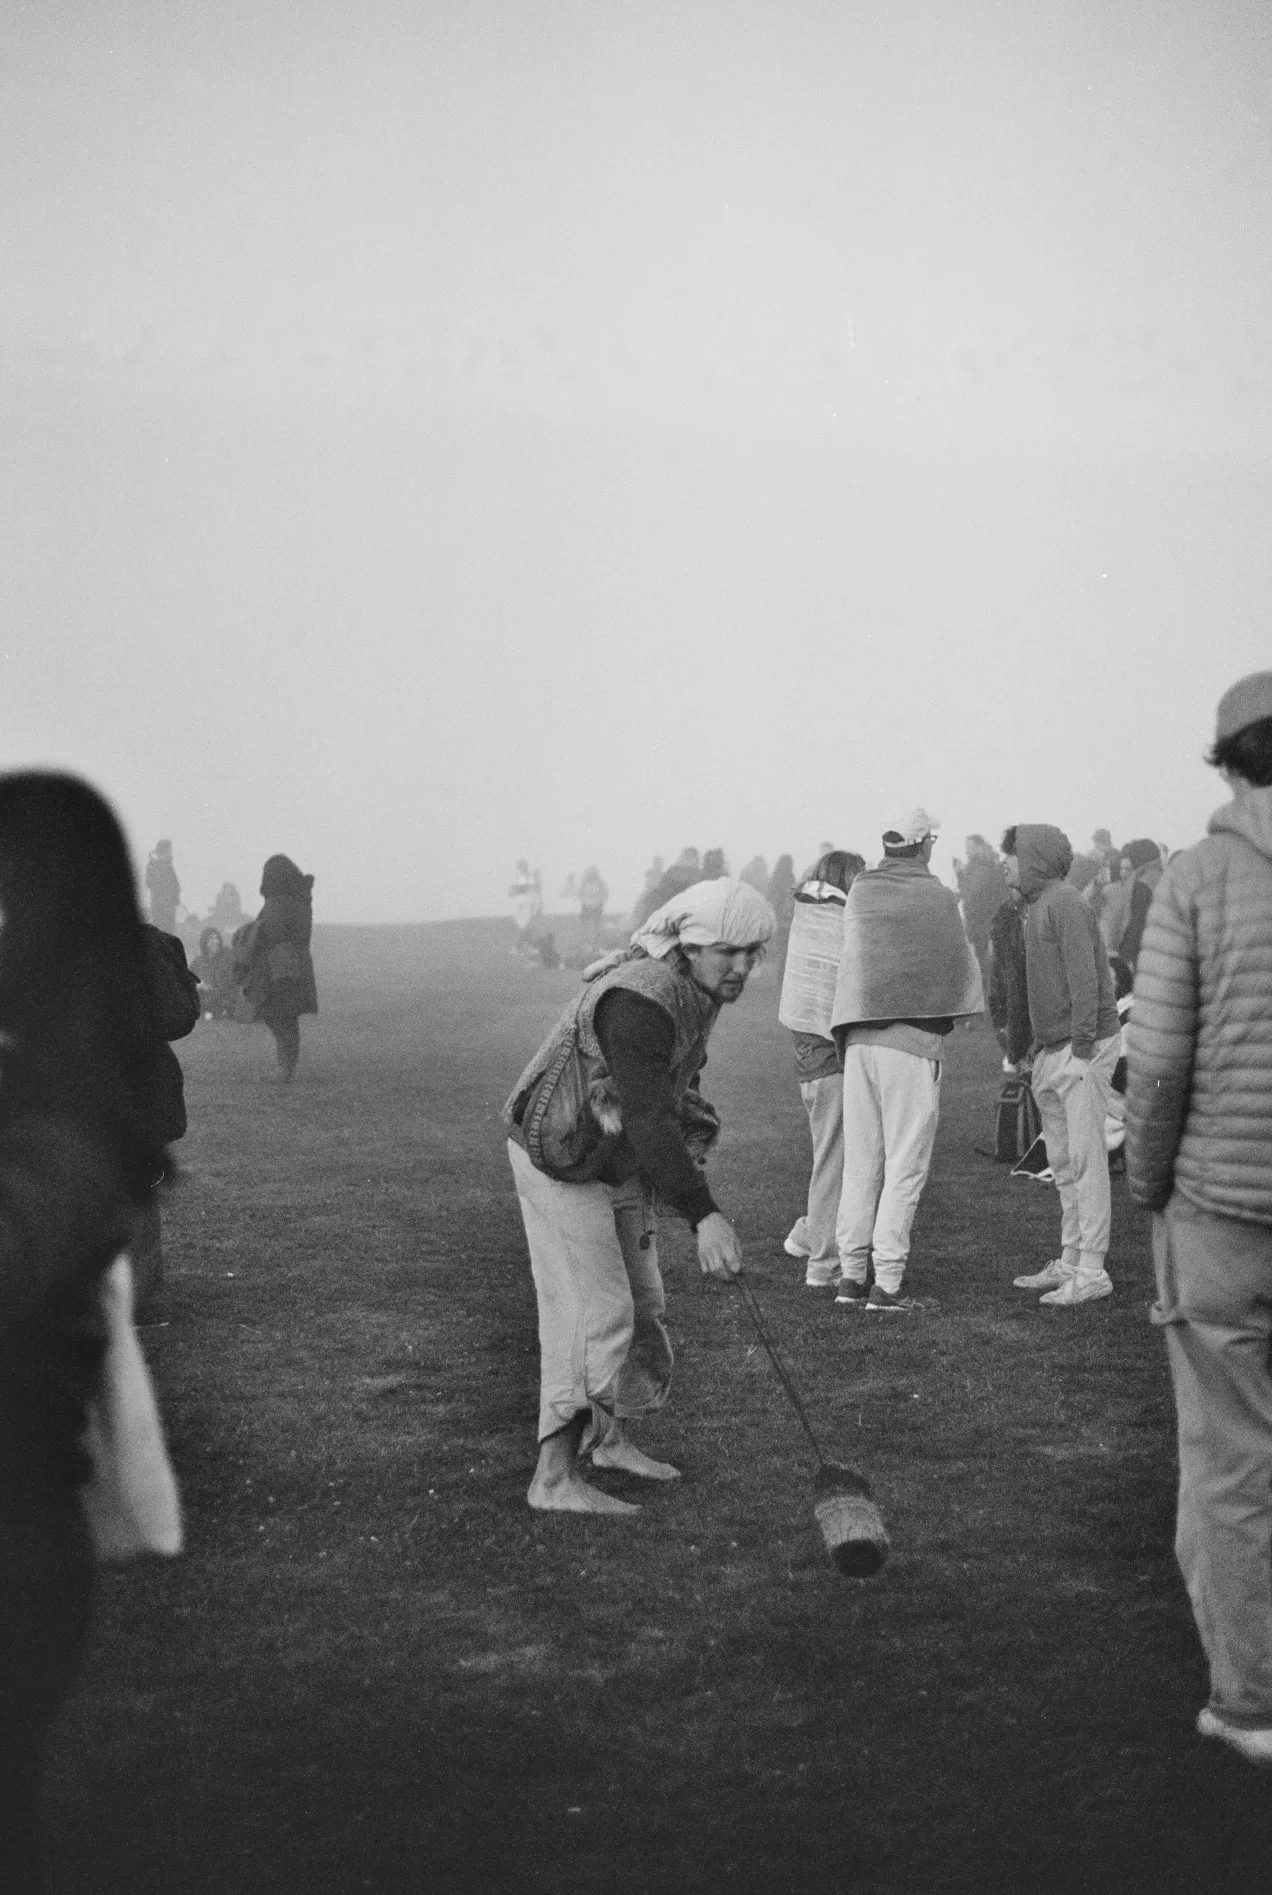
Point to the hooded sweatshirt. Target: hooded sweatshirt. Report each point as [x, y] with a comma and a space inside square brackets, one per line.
[1199, 1094]
[1071, 999]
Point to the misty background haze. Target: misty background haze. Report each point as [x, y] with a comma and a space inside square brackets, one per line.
[437, 434]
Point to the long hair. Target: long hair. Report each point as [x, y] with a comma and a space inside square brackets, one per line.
[75, 1003]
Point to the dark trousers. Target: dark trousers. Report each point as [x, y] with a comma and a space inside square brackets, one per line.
[46, 1582]
[286, 1030]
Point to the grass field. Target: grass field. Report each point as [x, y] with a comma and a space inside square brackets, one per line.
[377, 1669]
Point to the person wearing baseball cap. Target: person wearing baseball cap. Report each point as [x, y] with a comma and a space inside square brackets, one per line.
[907, 971]
[1199, 1156]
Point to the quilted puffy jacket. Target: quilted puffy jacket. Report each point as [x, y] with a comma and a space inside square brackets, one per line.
[1199, 1098]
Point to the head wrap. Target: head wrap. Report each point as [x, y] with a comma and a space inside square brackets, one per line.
[721, 913]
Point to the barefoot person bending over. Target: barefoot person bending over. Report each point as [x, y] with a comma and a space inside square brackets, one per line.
[605, 1118]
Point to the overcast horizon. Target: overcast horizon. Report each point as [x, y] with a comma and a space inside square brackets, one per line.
[572, 432]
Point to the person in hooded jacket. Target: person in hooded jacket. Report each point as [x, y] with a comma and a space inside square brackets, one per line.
[77, 1160]
[1077, 1043]
[1199, 1156]
[1141, 872]
[275, 967]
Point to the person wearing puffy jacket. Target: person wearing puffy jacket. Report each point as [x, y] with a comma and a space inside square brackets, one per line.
[1199, 1156]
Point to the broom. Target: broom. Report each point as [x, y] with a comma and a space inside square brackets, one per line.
[851, 1524]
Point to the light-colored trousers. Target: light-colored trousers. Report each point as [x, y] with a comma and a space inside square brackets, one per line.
[1214, 1296]
[1073, 1101]
[603, 1341]
[815, 1230]
[892, 1101]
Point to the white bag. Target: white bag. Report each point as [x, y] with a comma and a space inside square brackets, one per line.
[131, 1503]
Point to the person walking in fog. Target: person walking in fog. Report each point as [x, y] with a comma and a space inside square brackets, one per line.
[907, 972]
[816, 935]
[1199, 1156]
[163, 887]
[1077, 1043]
[273, 959]
[607, 1114]
[77, 1161]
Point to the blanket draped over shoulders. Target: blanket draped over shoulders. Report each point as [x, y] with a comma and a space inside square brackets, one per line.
[905, 954]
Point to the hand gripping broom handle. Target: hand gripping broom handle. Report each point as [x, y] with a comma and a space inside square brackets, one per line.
[753, 1309]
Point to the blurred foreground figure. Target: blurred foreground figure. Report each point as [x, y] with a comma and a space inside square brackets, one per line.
[808, 993]
[1199, 1155]
[907, 972]
[1077, 1044]
[76, 1163]
[273, 961]
[163, 886]
[158, 1085]
[606, 1115]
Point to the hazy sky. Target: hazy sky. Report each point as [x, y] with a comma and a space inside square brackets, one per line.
[439, 432]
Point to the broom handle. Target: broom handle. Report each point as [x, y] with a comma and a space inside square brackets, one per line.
[753, 1308]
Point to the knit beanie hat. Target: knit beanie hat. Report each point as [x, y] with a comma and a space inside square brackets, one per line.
[1248, 702]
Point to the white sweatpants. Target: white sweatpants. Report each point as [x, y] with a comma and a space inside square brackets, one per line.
[603, 1339]
[1073, 1098]
[892, 1101]
[815, 1230]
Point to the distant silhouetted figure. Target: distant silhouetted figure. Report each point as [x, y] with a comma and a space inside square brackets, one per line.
[593, 895]
[781, 899]
[756, 875]
[714, 865]
[273, 961]
[527, 904]
[684, 872]
[163, 887]
[548, 951]
[982, 890]
[227, 911]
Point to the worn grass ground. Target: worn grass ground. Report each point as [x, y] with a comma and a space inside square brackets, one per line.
[376, 1669]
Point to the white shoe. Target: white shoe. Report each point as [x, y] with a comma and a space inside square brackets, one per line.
[1077, 1289]
[1045, 1279]
[1254, 1745]
[792, 1245]
[829, 1281]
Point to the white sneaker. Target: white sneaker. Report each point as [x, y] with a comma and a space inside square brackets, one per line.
[1254, 1745]
[1045, 1279]
[792, 1245]
[823, 1277]
[1077, 1289]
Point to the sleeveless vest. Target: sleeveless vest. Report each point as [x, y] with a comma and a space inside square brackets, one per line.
[564, 1111]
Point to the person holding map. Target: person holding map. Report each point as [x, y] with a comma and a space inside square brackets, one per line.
[808, 989]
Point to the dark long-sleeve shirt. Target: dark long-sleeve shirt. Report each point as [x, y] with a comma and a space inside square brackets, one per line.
[638, 1040]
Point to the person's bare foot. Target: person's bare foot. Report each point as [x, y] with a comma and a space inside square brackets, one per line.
[570, 1493]
[623, 1454]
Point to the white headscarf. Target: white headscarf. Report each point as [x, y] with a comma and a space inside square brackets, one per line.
[723, 913]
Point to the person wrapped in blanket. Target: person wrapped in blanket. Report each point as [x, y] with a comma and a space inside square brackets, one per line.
[77, 1161]
[605, 1121]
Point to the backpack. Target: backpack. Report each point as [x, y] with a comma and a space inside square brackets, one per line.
[1017, 1121]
